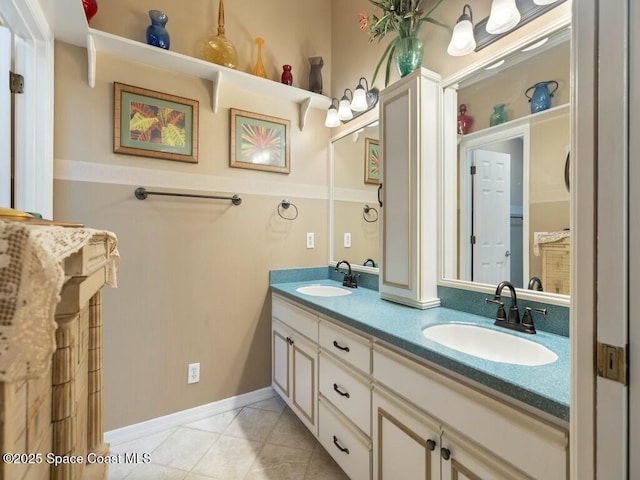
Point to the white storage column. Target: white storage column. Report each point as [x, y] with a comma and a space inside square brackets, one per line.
[409, 141]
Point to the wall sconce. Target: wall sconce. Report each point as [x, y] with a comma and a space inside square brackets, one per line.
[362, 100]
[462, 39]
[505, 16]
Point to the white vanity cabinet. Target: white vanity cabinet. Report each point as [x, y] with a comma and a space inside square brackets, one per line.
[384, 414]
[294, 337]
[409, 142]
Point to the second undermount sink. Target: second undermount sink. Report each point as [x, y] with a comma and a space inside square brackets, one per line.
[490, 344]
[323, 291]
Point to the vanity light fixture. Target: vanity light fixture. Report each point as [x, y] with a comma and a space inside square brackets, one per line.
[462, 40]
[362, 100]
[344, 108]
[503, 17]
[332, 119]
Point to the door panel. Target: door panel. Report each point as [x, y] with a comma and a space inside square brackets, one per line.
[5, 118]
[492, 199]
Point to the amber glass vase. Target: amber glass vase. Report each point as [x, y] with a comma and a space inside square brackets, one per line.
[259, 70]
[219, 50]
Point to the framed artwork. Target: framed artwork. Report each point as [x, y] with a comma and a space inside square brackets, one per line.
[259, 142]
[154, 124]
[371, 161]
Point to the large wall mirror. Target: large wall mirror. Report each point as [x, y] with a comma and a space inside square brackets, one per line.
[508, 217]
[354, 196]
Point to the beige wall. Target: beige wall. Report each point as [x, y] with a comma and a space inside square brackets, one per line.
[193, 282]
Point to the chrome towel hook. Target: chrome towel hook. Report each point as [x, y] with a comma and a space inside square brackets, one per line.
[285, 204]
[366, 209]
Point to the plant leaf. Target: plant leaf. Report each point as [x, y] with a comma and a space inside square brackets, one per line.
[384, 55]
[388, 70]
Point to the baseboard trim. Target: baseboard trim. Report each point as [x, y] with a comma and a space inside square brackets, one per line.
[155, 425]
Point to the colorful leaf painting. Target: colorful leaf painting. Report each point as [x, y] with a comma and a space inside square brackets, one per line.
[153, 124]
[261, 144]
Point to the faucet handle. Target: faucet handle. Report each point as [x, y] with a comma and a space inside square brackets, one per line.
[500, 315]
[527, 318]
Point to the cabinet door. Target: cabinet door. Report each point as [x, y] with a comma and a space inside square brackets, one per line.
[280, 338]
[409, 122]
[464, 460]
[406, 443]
[304, 360]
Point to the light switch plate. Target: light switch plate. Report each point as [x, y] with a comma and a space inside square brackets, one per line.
[347, 240]
[310, 240]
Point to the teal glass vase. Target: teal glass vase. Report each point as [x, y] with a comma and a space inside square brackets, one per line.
[408, 55]
[499, 115]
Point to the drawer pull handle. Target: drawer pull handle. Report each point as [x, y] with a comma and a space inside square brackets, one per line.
[431, 445]
[340, 347]
[340, 447]
[337, 389]
[445, 453]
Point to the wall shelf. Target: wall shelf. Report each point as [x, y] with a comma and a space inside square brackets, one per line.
[530, 119]
[72, 28]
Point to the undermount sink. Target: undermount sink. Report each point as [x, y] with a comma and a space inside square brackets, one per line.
[323, 291]
[490, 344]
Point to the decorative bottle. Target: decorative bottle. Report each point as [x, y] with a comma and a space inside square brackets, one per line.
[157, 35]
[259, 70]
[90, 8]
[464, 121]
[217, 49]
[315, 75]
[287, 76]
[499, 115]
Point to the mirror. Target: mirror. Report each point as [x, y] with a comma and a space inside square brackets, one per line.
[354, 196]
[509, 216]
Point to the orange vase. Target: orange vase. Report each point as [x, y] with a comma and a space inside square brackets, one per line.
[259, 70]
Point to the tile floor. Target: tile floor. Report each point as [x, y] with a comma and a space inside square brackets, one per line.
[263, 441]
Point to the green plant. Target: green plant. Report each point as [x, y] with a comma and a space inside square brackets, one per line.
[405, 17]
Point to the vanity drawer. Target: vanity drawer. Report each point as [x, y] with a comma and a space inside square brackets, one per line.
[351, 348]
[304, 322]
[349, 392]
[349, 448]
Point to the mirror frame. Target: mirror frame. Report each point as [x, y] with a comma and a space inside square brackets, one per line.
[357, 125]
[448, 197]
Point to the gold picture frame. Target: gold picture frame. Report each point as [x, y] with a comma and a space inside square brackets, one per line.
[147, 123]
[259, 142]
[371, 161]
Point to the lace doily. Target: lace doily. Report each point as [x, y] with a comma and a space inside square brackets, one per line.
[31, 278]
[547, 237]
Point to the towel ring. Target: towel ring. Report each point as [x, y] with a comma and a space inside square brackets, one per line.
[366, 211]
[285, 204]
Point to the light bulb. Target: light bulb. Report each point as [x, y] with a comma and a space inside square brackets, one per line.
[332, 119]
[344, 109]
[504, 16]
[462, 39]
[359, 102]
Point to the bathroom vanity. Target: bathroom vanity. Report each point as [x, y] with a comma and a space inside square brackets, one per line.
[388, 403]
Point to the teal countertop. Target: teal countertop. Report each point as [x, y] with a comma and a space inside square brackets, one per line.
[545, 387]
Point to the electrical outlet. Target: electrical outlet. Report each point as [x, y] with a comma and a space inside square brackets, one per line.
[310, 240]
[193, 373]
[347, 240]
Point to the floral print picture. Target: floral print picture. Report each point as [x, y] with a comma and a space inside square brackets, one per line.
[259, 142]
[154, 124]
[371, 161]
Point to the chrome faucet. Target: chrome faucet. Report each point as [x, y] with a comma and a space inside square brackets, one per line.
[513, 321]
[349, 279]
